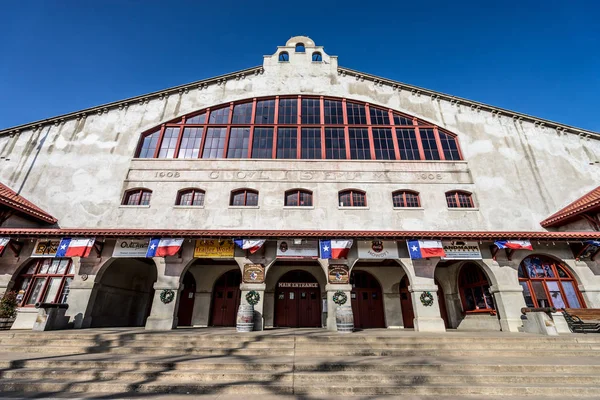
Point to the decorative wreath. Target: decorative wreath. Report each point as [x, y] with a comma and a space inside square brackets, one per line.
[167, 296]
[427, 299]
[252, 297]
[340, 298]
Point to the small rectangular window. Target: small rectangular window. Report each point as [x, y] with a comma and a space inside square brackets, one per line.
[311, 144]
[169, 143]
[239, 139]
[379, 117]
[356, 114]
[384, 144]
[359, 144]
[214, 143]
[449, 146]
[407, 144]
[262, 144]
[333, 111]
[402, 121]
[429, 145]
[288, 111]
[220, 116]
[287, 142]
[190, 143]
[242, 114]
[335, 144]
[265, 112]
[311, 111]
[149, 145]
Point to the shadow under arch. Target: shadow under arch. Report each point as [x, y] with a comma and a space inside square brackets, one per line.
[122, 294]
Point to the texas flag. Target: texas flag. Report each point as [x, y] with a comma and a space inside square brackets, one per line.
[74, 247]
[3, 243]
[163, 247]
[334, 248]
[249, 244]
[425, 249]
[514, 244]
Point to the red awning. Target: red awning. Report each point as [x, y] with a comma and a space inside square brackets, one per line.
[11, 199]
[586, 203]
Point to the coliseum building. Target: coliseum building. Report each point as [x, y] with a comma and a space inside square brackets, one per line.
[297, 180]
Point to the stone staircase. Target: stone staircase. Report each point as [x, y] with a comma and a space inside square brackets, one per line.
[297, 363]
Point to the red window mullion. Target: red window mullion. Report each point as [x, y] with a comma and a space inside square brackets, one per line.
[346, 129]
[438, 142]
[394, 137]
[370, 130]
[204, 133]
[251, 137]
[276, 122]
[419, 143]
[179, 137]
[322, 128]
[228, 130]
[160, 139]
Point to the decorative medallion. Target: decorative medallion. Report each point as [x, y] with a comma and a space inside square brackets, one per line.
[167, 296]
[426, 299]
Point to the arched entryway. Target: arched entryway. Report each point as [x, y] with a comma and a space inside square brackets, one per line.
[124, 293]
[548, 283]
[474, 289]
[367, 301]
[408, 314]
[442, 304]
[226, 298]
[186, 300]
[298, 301]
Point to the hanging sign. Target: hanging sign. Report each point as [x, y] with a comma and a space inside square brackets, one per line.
[130, 248]
[45, 248]
[214, 249]
[254, 273]
[377, 249]
[297, 248]
[338, 274]
[461, 250]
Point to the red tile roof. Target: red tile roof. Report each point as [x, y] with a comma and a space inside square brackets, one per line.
[272, 234]
[585, 203]
[11, 199]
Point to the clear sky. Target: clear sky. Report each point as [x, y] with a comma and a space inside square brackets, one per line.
[537, 57]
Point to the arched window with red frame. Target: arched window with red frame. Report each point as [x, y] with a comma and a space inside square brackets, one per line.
[137, 197]
[459, 199]
[190, 197]
[352, 198]
[474, 290]
[406, 199]
[548, 283]
[298, 198]
[46, 280]
[299, 127]
[244, 198]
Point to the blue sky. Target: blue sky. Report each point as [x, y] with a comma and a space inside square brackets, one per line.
[537, 57]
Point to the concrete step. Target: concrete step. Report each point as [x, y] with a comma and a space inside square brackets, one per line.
[548, 389]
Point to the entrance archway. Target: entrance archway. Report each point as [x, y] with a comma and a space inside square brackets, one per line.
[408, 313]
[298, 301]
[367, 301]
[186, 301]
[124, 293]
[226, 298]
[442, 304]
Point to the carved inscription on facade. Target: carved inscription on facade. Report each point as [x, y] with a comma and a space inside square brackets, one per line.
[459, 176]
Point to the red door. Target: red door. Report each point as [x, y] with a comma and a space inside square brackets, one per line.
[367, 301]
[226, 299]
[186, 302]
[408, 314]
[298, 301]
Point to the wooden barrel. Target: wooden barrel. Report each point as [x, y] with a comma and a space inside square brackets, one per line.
[344, 319]
[245, 318]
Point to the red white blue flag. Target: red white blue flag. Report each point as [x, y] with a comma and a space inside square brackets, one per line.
[69, 247]
[514, 244]
[3, 243]
[250, 244]
[163, 247]
[334, 248]
[425, 249]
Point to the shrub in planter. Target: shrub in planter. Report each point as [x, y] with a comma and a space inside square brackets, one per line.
[8, 309]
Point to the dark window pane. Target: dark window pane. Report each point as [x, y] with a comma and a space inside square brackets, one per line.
[287, 143]
[344, 199]
[251, 199]
[311, 111]
[398, 200]
[407, 144]
[238, 198]
[311, 143]
[333, 112]
[169, 143]
[451, 199]
[133, 199]
[149, 145]
[527, 294]
[412, 199]
[190, 143]
[239, 138]
[317, 57]
[214, 143]
[265, 112]
[429, 145]
[356, 114]
[291, 199]
[198, 198]
[185, 199]
[198, 119]
[464, 200]
[359, 199]
[220, 116]
[305, 199]
[449, 146]
[262, 144]
[402, 121]
[335, 144]
[283, 56]
[379, 116]
[384, 144]
[359, 144]
[288, 111]
[571, 294]
[145, 198]
[242, 113]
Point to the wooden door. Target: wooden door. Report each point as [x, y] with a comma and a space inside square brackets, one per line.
[287, 308]
[186, 301]
[367, 301]
[309, 309]
[298, 301]
[226, 299]
[408, 314]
